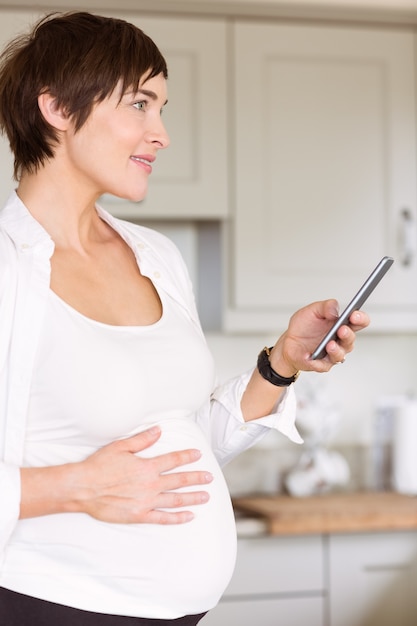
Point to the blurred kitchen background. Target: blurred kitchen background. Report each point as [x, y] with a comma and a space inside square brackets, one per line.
[291, 172]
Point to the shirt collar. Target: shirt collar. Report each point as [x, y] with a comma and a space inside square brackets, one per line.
[21, 226]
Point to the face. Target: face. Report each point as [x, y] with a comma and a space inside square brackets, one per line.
[115, 149]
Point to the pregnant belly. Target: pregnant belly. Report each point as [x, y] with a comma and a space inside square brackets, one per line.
[197, 558]
[152, 570]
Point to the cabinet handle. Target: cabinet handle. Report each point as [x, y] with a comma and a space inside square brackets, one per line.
[407, 243]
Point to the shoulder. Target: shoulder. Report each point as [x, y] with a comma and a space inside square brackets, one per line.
[21, 236]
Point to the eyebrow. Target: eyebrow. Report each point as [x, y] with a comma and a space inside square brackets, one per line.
[150, 94]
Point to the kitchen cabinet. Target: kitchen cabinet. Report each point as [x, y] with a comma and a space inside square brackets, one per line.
[336, 579]
[276, 581]
[325, 173]
[373, 579]
[190, 179]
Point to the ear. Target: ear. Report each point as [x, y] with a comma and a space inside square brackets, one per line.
[55, 116]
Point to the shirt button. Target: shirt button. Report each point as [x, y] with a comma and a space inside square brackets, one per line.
[24, 246]
[156, 275]
[244, 427]
[141, 246]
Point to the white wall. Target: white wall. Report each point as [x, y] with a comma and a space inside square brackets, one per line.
[379, 365]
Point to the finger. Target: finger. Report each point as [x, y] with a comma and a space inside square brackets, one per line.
[359, 320]
[164, 462]
[330, 309]
[141, 441]
[181, 499]
[172, 460]
[176, 500]
[336, 352]
[346, 339]
[177, 480]
[165, 517]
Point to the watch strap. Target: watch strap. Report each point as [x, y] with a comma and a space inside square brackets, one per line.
[266, 371]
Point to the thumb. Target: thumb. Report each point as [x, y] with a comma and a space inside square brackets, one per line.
[330, 309]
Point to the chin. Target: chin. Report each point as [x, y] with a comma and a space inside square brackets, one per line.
[130, 197]
[134, 196]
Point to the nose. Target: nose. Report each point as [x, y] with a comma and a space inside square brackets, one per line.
[158, 135]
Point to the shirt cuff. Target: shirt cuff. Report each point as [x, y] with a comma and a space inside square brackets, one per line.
[282, 418]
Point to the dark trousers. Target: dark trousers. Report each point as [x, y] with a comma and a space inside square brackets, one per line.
[17, 609]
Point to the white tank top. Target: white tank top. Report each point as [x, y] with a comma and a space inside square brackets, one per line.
[94, 383]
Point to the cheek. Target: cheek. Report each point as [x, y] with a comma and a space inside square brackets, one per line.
[111, 137]
[121, 140]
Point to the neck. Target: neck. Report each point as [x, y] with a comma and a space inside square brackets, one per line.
[66, 212]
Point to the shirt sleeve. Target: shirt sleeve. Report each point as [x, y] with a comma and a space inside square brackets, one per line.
[9, 474]
[222, 420]
[10, 501]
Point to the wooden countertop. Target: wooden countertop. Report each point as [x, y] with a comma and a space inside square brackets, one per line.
[332, 513]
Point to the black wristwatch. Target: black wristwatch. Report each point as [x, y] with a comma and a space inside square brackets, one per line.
[266, 371]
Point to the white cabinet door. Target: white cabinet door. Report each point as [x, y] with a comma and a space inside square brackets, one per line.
[278, 565]
[277, 581]
[190, 177]
[373, 579]
[325, 171]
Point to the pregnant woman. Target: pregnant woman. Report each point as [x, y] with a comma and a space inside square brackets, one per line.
[114, 510]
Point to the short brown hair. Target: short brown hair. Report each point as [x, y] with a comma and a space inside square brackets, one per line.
[79, 58]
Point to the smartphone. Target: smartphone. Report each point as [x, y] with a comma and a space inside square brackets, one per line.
[355, 304]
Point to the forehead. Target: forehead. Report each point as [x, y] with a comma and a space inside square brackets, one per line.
[156, 85]
[155, 88]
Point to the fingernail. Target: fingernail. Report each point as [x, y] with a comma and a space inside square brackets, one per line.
[153, 430]
[208, 477]
[204, 497]
[196, 454]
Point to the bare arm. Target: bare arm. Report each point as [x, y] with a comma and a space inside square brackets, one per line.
[115, 485]
[292, 351]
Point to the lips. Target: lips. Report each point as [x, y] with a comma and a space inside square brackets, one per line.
[144, 162]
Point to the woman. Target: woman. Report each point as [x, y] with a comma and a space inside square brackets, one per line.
[114, 508]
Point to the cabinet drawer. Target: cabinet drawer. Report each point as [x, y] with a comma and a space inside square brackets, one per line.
[278, 565]
[270, 612]
[379, 570]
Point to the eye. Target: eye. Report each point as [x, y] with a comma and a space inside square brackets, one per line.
[140, 105]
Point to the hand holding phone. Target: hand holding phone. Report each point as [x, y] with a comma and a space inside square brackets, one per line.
[355, 304]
